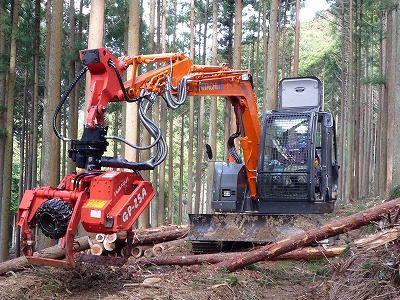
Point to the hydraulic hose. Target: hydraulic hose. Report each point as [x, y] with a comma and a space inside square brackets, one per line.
[62, 101]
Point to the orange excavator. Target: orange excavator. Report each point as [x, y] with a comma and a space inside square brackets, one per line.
[288, 166]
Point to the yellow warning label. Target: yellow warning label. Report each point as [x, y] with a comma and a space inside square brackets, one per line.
[96, 203]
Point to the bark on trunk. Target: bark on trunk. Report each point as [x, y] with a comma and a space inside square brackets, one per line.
[145, 231]
[159, 237]
[188, 260]
[310, 237]
[159, 249]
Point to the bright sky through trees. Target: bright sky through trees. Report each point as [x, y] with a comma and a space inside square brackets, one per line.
[311, 8]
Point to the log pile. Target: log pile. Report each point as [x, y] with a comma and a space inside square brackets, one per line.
[146, 242]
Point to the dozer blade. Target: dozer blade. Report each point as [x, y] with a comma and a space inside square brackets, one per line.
[209, 232]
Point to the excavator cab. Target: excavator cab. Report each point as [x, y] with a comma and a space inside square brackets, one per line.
[297, 170]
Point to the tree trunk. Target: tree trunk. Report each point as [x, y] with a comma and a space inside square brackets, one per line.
[199, 259]
[349, 195]
[160, 248]
[227, 105]
[265, 56]
[73, 100]
[171, 169]
[310, 237]
[154, 205]
[132, 119]
[131, 111]
[199, 158]
[271, 101]
[358, 129]
[2, 88]
[163, 118]
[212, 137]
[145, 231]
[95, 38]
[24, 160]
[50, 167]
[385, 67]
[391, 97]
[50, 163]
[297, 41]
[191, 118]
[396, 133]
[236, 60]
[343, 110]
[7, 172]
[181, 164]
[159, 237]
[33, 140]
[283, 57]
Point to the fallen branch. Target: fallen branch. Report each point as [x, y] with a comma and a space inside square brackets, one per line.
[310, 237]
[188, 260]
[55, 252]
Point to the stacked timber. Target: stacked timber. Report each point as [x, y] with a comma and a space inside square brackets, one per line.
[146, 242]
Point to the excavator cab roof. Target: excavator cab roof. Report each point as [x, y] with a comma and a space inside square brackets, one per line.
[300, 94]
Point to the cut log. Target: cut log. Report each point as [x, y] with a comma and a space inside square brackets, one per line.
[112, 253]
[148, 252]
[159, 229]
[119, 236]
[55, 252]
[159, 249]
[310, 237]
[116, 241]
[122, 252]
[97, 249]
[187, 260]
[138, 251]
[100, 237]
[159, 237]
[109, 246]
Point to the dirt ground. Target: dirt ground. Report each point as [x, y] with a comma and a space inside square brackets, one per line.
[277, 280]
[357, 274]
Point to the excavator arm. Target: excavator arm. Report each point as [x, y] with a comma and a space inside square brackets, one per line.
[109, 201]
[175, 81]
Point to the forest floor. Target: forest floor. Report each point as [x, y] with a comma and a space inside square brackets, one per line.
[357, 274]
